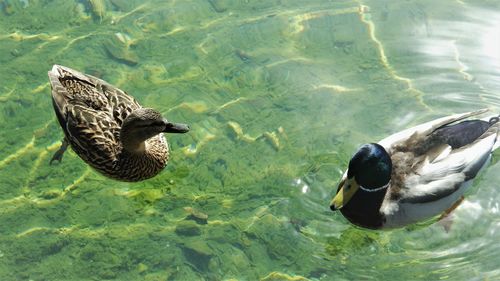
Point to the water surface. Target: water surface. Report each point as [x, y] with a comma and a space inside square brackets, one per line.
[278, 95]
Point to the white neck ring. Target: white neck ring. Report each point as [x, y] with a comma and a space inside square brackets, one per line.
[374, 189]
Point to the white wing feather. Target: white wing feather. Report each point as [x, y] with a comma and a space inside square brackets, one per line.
[448, 173]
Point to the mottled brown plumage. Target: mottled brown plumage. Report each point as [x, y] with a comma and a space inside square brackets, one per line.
[107, 128]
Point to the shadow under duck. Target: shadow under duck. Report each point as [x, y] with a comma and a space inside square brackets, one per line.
[416, 174]
[107, 128]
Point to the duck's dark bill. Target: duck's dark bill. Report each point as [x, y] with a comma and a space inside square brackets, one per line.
[176, 128]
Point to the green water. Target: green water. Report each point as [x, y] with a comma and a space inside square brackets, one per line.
[278, 93]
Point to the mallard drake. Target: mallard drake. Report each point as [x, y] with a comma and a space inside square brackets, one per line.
[107, 128]
[416, 174]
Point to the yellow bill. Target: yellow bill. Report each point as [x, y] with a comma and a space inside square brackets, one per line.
[347, 189]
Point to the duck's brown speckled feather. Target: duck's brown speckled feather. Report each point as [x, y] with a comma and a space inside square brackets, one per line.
[91, 112]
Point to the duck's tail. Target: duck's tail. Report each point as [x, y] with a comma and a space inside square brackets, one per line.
[58, 90]
[494, 121]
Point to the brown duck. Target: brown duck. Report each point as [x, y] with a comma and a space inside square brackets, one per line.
[109, 129]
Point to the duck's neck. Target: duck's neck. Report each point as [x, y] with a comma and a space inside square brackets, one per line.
[143, 160]
[364, 208]
[134, 146]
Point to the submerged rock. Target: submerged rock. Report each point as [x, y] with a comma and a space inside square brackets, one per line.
[98, 8]
[51, 194]
[123, 5]
[187, 228]
[142, 267]
[196, 215]
[200, 247]
[278, 276]
[218, 5]
[118, 48]
[146, 196]
[198, 253]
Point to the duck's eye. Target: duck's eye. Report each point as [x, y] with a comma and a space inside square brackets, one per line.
[347, 186]
[158, 123]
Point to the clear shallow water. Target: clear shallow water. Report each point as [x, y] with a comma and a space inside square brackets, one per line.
[278, 94]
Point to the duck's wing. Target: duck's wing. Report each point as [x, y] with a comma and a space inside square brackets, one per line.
[71, 86]
[427, 128]
[462, 151]
[122, 104]
[93, 135]
[85, 114]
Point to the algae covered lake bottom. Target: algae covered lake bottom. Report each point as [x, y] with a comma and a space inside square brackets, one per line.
[278, 94]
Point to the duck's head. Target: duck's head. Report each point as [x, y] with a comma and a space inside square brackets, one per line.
[369, 171]
[144, 123]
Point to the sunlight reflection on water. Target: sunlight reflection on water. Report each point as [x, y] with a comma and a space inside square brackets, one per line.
[470, 47]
